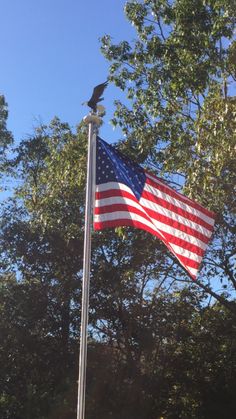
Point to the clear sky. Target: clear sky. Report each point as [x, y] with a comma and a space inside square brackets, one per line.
[51, 59]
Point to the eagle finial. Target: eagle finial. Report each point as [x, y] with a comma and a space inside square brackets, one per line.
[96, 96]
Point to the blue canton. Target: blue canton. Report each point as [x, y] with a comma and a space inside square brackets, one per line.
[112, 166]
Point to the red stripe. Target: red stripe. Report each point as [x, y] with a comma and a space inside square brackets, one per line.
[159, 217]
[183, 243]
[137, 224]
[126, 222]
[121, 207]
[162, 187]
[177, 210]
[177, 225]
[169, 237]
[188, 262]
[147, 195]
[110, 193]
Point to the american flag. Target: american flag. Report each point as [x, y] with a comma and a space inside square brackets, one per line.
[128, 195]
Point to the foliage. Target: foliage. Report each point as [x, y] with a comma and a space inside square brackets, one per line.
[163, 356]
[33, 370]
[166, 359]
[5, 135]
[42, 237]
[181, 122]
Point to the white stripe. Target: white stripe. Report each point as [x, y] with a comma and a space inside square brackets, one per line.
[180, 234]
[120, 215]
[179, 218]
[148, 204]
[160, 226]
[159, 194]
[117, 200]
[193, 271]
[154, 224]
[186, 253]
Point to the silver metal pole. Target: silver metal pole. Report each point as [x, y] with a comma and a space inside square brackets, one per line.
[93, 121]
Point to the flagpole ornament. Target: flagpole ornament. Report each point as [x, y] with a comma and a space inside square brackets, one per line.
[94, 121]
[96, 96]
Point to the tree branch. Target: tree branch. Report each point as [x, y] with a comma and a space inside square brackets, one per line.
[230, 305]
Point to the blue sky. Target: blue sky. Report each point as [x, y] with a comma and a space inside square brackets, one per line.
[51, 59]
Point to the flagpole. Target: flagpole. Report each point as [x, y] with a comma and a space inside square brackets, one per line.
[93, 122]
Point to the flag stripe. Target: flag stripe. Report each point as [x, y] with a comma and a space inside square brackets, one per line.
[156, 209]
[164, 203]
[128, 199]
[163, 224]
[131, 221]
[107, 205]
[160, 226]
[154, 180]
[186, 253]
[160, 191]
[157, 217]
[110, 190]
[113, 186]
[160, 209]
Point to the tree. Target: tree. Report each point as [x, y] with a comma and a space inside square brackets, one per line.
[168, 357]
[5, 135]
[42, 240]
[176, 75]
